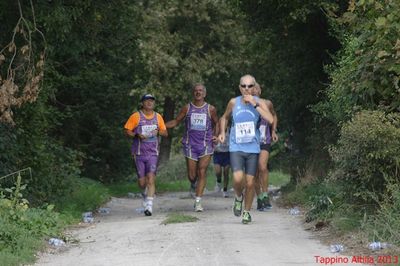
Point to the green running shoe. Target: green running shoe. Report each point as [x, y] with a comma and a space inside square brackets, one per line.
[237, 207]
[246, 217]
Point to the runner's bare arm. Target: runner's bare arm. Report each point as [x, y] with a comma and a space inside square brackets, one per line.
[214, 119]
[163, 133]
[129, 133]
[178, 119]
[162, 128]
[131, 124]
[270, 106]
[265, 112]
[223, 121]
[260, 107]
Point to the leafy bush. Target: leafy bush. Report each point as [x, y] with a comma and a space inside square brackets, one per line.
[22, 229]
[30, 144]
[86, 195]
[366, 72]
[385, 224]
[367, 155]
[55, 169]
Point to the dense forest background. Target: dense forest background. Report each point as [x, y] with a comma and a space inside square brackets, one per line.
[71, 73]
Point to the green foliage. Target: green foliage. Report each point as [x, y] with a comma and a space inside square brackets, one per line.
[385, 224]
[320, 198]
[367, 155]
[7, 159]
[278, 178]
[321, 207]
[22, 229]
[186, 42]
[324, 201]
[348, 217]
[296, 194]
[174, 218]
[366, 73]
[85, 195]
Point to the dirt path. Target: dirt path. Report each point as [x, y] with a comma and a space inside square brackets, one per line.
[125, 237]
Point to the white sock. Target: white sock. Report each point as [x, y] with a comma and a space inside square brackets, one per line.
[239, 198]
[198, 198]
[150, 201]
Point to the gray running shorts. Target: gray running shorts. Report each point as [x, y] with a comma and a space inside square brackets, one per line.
[246, 162]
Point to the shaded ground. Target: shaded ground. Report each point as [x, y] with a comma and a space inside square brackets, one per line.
[126, 237]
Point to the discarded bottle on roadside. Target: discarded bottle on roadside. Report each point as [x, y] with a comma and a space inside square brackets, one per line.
[378, 245]
[294, 211]
[87, 217]
[56, 242]
[88, 220]
[87, 214]
[139, 210]
[104, 210]
[336, 248]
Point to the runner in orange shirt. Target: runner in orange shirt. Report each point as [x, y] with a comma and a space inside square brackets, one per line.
[144, 127]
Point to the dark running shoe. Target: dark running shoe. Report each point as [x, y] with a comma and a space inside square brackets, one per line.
[266, 203]
[148, 211]
[260, 206]
[237, 207]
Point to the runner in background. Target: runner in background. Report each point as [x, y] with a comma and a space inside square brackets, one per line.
[144, 127]
[267, 133]
[222, 165]
[198, 140]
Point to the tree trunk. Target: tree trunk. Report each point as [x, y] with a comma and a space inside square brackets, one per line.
[165, 146]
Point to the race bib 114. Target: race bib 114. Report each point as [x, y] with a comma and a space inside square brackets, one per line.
[245, 132]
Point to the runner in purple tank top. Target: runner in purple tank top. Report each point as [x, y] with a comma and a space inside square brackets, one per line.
[200, 132]
[268, 133]
[144, 127]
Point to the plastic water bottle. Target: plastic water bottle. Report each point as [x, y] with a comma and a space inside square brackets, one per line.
[56, 242]
[88, 220]
[87, 217]
[378, 245]
[336, 248]
[139, 210]
[87, 214]
[104, 210]
[294, 211]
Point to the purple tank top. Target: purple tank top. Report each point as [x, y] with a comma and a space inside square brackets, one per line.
[265, 132]
[148, 146]
[198, 126]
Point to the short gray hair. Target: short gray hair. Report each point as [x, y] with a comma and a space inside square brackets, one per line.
[199, 84]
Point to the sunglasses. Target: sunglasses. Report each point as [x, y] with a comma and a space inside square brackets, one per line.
[247, 86]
